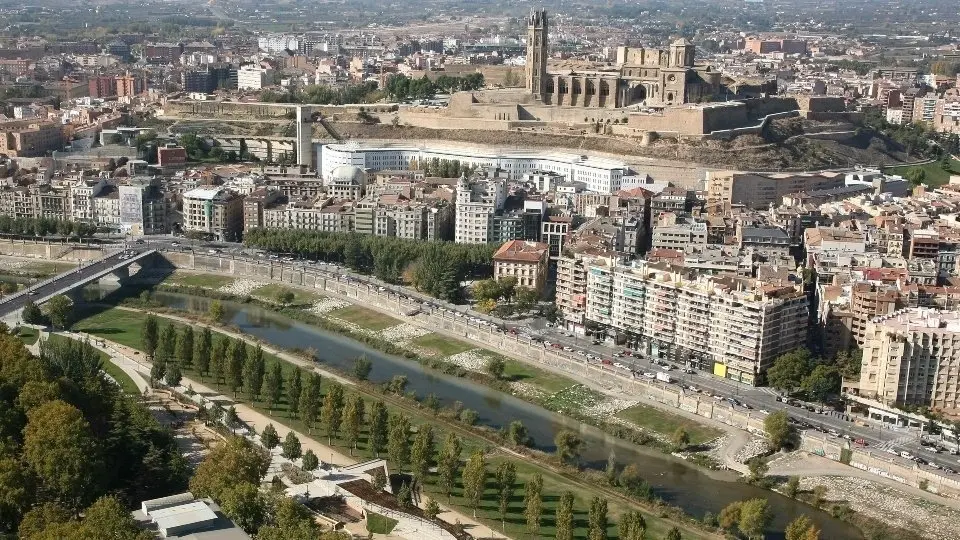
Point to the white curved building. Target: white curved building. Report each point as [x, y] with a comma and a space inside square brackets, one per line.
[601, 175]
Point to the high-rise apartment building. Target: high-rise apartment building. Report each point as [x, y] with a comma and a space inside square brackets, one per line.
[734, 326]
[477, 202]
[913, 358]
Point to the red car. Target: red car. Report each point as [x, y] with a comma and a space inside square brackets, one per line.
[627, 352]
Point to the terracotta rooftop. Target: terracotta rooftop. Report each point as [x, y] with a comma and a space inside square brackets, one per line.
[521, 251]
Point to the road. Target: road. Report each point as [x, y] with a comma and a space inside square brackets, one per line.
[52, 285]
[875, 435]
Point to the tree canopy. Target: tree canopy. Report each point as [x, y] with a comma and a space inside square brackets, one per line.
[68, 436]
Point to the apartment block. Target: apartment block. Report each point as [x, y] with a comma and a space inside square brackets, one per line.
[912, 357]
[213, 211]
[734, 326]
[477, 202]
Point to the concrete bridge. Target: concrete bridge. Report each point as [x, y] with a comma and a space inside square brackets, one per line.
[117, 266]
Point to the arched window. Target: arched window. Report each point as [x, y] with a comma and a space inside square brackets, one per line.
[548, 88]
[562, 83]
[576, 87]
[591, 89]
[604, 88]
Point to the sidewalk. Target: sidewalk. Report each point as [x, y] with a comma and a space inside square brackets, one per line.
[124, 356]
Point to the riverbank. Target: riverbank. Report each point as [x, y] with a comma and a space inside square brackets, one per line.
[556, 480]
[575, 396]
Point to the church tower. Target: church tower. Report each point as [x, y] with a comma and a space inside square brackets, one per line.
[537, 52]
[682, 53]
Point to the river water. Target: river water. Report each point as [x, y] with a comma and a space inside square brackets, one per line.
[675, 481]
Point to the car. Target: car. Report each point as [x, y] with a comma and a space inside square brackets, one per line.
[948, 470]
[556, 345]
[581, 353]
[893, 451]
[568, 349]
[178, 243]
[547, 344]
[764, 411]
[905, 454]
[139, 240]
[34, 293]
[693, 389]
[591, 357]
[690, 371]
[619, 365]
[649, 375]
[747, 406]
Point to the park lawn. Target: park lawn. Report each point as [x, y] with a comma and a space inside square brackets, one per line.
[936, 175]
[111, 369]
[28, 335]
[204, 281]
[440, 346]
[516, 371]
[271, 291]
[364, 318]
[379, 524]
[124, 327]
[666, 423]
[554, 484]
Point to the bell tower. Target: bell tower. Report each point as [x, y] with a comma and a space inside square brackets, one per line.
[536, 52]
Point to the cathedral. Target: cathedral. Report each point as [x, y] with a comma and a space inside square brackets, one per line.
[645, 77]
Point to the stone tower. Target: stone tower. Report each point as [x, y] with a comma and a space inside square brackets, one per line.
[682, 53]
[537, 52]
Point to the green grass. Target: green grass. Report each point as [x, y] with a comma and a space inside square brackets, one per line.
[936, 175]
[111, 369]
[205, 281]
[124, 327]
[364, 318]
[666, 423]
[271, 291]
[378, 524]
[548, 381]
[440, 346]
[28, 335]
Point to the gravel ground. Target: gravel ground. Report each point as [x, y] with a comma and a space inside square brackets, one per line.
[241, 287]
[401, 334]
[755, 447]
[890, 505]
[472, 360]
[326, 305]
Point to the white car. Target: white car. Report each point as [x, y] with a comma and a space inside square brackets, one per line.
[568, 349]
[619, 365]
[649, 375]
[764, 411]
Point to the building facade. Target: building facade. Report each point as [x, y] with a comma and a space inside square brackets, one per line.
[526, 262]
[912, 357]
[213, 211]
[735, 327]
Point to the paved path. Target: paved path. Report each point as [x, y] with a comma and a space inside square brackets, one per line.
[135, 360]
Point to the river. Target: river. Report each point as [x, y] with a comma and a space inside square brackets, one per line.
[674, 480]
